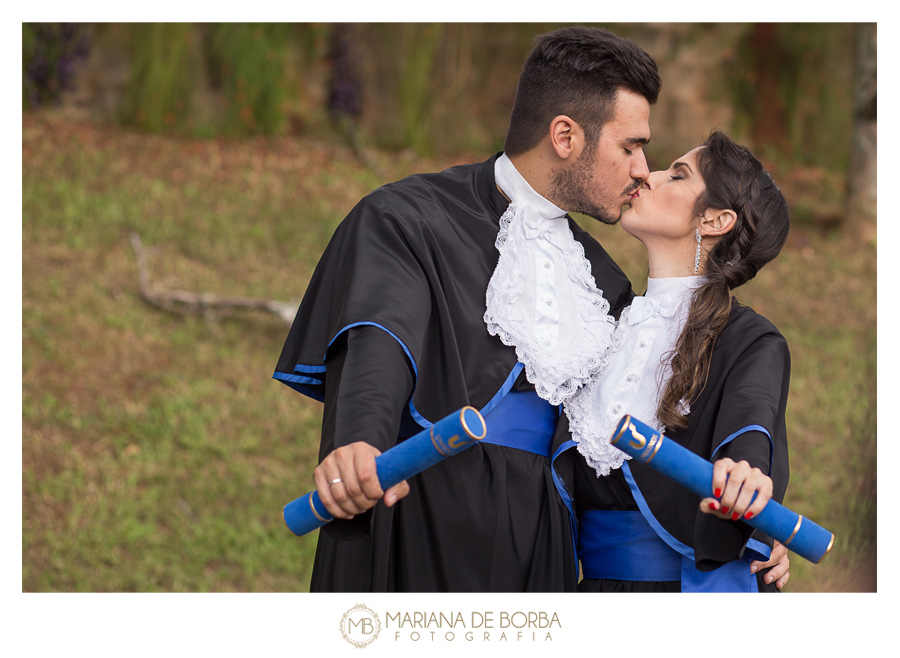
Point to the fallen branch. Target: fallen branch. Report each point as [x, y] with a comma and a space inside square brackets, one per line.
[206, 303]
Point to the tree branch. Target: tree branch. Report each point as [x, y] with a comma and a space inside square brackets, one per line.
[181, 301]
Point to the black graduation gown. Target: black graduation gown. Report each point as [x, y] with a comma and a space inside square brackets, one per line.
[391, 336]
[740, 414]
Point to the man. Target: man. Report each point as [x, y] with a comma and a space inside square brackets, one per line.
[394, 333]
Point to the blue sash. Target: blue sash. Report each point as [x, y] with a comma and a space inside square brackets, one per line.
[522, 420]
[618, 545]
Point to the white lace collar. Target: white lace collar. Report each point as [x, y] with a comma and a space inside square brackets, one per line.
[634, 379]
[542, 297]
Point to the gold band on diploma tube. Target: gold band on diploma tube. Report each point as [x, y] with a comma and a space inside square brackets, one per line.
[313, 508]
[624, 425]
[655, 450]
[462, 419]
[830, 544]
[797, 529]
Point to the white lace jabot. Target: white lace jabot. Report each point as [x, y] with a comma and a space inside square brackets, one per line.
[542, 297]
[636, 376]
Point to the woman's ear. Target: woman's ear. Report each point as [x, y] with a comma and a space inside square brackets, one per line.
[717, 222]
[566, 136]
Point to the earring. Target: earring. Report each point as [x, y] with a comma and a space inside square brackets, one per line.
[697, 257]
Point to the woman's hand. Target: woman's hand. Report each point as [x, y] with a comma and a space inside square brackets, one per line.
[733, 487]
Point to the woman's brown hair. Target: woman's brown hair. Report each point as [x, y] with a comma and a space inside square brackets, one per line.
[735, 180]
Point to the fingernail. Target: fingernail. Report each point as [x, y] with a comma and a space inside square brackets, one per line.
[717, 492]
[748, 515]
[712, 506]
[735, 516]
[754, 569]
[725, 510]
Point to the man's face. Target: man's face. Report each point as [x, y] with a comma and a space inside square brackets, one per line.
[605, 175]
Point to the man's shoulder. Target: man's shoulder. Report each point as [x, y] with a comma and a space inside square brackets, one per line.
[428, 185]
[427, 198]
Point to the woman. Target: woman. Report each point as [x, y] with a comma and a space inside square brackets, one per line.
[719, 376]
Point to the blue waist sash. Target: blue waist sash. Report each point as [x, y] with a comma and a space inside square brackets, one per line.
[522, 420]
[617, 545]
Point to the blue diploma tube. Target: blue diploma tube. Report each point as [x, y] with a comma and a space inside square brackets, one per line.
[448, 436]
[673, 460]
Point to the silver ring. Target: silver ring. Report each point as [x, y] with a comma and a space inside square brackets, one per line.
[334, 482]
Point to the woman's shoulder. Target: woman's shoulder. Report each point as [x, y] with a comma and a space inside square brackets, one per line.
[745, 319]
[748, 329]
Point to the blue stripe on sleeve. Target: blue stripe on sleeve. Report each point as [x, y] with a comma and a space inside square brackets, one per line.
[751, 428]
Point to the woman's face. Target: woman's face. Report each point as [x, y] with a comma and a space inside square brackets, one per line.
[663, 208]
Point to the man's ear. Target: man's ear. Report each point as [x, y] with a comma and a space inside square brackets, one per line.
[566, 136]
[717, 222]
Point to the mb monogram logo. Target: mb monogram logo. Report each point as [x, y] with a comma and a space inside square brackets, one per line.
[360, 626]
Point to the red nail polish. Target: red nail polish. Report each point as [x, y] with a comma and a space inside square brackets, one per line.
[748, 515]
[735, 516]
[725, 510]
[717, 493]
[712, 506]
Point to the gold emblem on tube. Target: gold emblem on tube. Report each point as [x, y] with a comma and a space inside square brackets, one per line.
[796, 530]
[639, 439]
[437, 443]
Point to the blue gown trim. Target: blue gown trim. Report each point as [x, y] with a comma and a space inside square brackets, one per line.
[304, 368]
[744, 430]
[297, 381]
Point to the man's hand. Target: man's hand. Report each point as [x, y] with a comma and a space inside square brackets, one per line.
[347, 481]
[780, 564]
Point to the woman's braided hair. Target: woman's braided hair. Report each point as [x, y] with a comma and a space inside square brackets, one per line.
[735, 180]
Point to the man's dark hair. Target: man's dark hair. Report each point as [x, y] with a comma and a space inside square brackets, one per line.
[576, 71]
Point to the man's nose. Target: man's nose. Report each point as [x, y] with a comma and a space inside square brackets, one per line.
[639, 170]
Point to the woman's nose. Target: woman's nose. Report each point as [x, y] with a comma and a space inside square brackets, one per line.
[654, 178]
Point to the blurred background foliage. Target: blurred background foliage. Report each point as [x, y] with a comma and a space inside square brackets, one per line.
[441, 89]
[437, 88]
[157, 451]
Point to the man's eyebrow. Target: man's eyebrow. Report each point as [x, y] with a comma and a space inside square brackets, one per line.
[637, 140]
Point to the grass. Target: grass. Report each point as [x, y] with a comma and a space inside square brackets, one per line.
[157, 452]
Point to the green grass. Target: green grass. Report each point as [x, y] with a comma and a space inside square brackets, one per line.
[157, 452]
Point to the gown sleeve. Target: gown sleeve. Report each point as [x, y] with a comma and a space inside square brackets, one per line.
[370, 380]
[750, 426]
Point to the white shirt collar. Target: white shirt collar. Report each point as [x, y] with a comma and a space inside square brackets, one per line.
[662, 287]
